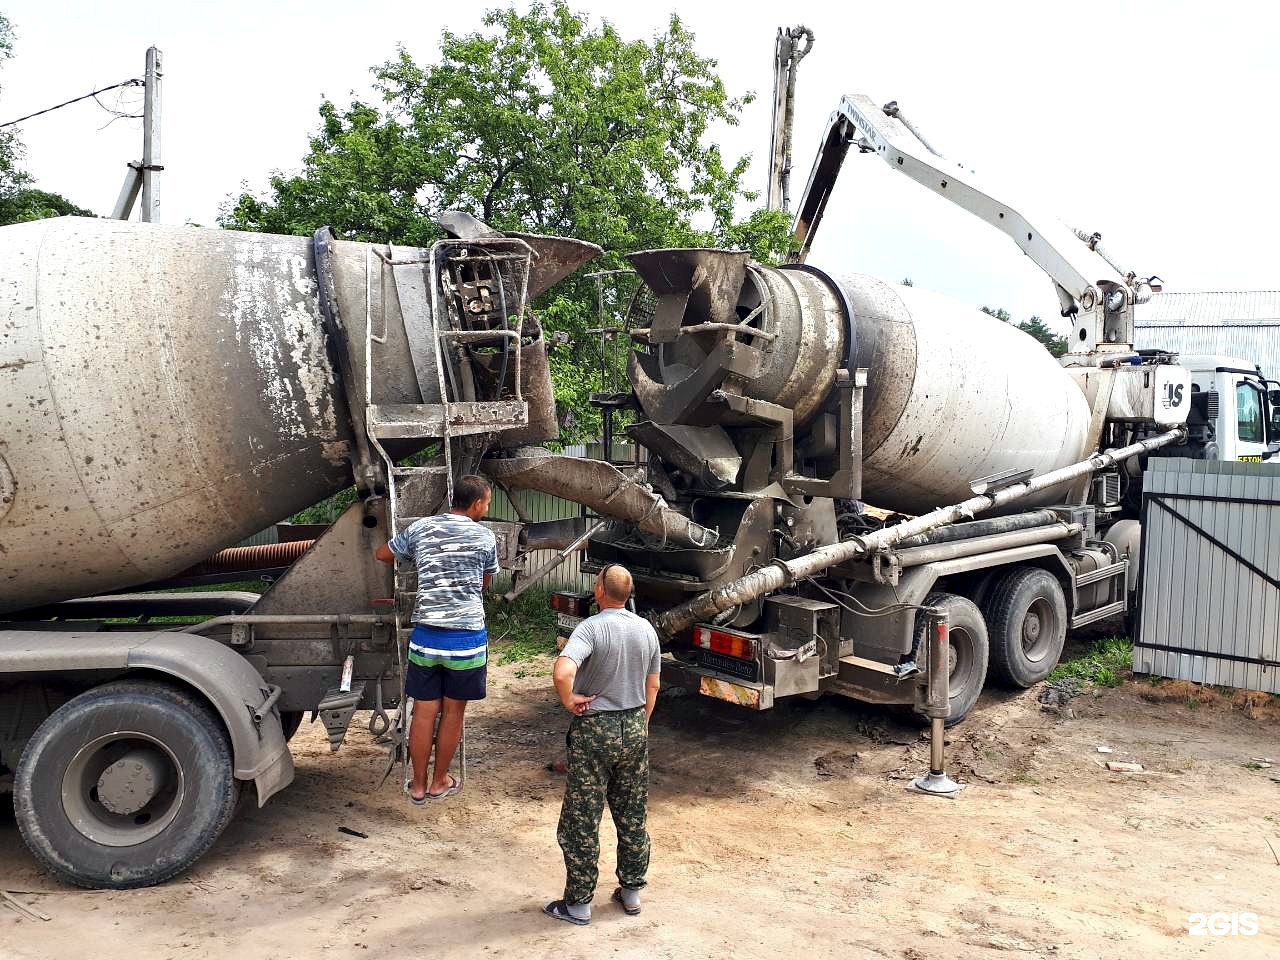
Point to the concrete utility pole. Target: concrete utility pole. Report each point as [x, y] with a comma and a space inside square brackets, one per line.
[787, 54]
[144, 177]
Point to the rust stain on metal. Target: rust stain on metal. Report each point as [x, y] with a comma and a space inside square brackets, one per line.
[729, 692]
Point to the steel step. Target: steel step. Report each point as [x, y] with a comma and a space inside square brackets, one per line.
[419, 471]
[424, 421]
[1102, 573]
[1101, 613]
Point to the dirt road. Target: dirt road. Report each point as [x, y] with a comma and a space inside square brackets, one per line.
[782, 835]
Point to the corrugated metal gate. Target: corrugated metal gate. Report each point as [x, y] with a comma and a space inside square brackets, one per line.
[1209, 600]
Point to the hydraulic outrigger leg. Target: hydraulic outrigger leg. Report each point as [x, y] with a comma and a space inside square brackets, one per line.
[937, 707]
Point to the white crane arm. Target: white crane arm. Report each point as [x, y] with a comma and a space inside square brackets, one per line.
[1079, 272]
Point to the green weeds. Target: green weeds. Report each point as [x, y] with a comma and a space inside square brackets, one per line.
[522, 631]
[1103, 665]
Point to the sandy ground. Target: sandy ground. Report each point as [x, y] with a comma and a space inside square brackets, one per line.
[788, 834]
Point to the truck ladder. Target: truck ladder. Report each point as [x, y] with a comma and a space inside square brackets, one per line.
[454, 297]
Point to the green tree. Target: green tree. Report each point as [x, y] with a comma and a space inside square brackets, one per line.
[19, 206]
[11, 175]
[19, 201]
[539, 121]
[1055, 343]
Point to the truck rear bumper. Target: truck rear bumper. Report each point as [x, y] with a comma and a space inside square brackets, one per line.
[708, 683]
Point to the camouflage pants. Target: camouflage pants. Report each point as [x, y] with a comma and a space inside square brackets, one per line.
[608, 761]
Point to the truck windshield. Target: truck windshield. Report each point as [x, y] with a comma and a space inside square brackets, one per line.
[1249, 413]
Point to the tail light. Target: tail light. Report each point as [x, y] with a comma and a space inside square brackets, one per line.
[572, 604]
[725, 641]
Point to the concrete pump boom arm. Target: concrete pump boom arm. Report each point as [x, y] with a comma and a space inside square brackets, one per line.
[1070, 259]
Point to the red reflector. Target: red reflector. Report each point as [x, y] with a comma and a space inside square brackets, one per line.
[722, 641]
[573, 604]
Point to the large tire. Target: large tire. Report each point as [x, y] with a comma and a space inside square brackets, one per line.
[1027, 621]
[968, 654]
[125, 785]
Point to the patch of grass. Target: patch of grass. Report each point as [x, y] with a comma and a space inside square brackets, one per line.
[524, 630]
[1107, 677]
[253, 586]
[1104, 665]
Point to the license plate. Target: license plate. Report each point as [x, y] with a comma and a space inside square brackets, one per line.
[566, 622]
[742, 669]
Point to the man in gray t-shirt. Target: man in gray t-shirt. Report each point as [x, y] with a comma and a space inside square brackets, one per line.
[607, 677]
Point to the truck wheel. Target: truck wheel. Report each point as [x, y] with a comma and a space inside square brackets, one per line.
[125, 785]
[968, 653]
[1027, 619]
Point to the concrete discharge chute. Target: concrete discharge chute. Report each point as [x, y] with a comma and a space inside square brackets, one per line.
[600, 486]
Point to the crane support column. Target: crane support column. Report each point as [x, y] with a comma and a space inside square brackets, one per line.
[936, 783]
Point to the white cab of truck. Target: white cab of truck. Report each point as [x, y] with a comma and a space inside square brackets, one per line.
[1242, 404]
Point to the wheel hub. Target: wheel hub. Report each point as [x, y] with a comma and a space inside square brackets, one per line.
[1038, 627]
[122, 788]
[130, 783]
[1031, 627]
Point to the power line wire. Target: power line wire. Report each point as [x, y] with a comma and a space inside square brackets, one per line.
[135, 82]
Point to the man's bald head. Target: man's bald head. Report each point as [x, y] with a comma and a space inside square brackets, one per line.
[613, 585]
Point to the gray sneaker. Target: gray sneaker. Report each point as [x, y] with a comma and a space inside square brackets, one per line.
[629, 899]
[560, 911]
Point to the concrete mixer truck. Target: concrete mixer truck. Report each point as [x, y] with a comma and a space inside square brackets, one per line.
[774, 402]
[165, 392]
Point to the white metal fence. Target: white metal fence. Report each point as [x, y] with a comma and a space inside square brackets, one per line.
[1209, 601]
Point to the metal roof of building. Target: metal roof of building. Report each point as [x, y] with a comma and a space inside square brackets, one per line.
[1237, 323]
[1210, 308]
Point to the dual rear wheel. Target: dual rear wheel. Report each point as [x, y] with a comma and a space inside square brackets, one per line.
[1016, 635]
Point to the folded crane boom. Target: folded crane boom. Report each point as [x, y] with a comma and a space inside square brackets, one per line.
[1091, 289]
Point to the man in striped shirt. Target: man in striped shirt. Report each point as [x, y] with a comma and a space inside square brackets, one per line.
[455, 557]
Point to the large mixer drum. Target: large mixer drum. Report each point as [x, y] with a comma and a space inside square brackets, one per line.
[791, 320]
[164, 392]
[954, 395]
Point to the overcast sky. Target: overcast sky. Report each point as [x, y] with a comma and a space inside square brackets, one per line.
[1153, 123]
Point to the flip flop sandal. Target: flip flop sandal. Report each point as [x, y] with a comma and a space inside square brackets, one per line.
[558, 910]
[617, 898]
[454, 786]
[416, 801]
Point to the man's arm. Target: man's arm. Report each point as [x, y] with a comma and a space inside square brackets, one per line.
[398, 547]
[490, 563]
[651, 684]
[563, 673]
[653, 678]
